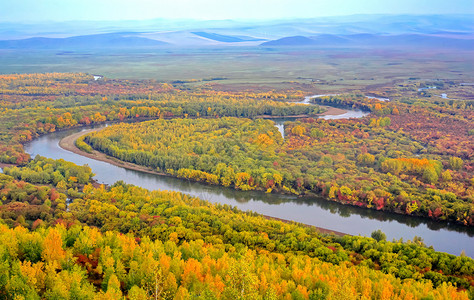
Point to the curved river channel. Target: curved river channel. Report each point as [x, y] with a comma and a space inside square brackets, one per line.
[313, 211]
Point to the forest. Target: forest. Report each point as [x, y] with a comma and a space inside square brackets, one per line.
[64, 236]
[368, 162]
[87, 241]
[35, 104]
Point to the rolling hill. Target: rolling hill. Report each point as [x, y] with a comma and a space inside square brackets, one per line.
[375, 41]
[111, 40]
[380, 31]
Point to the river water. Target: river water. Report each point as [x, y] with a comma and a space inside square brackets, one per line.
[313, 211]
[350, 113]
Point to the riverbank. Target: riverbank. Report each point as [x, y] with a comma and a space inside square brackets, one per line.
[316, 211]
[320, 229]
[4, 165]
[329, 111]
[68, 143]
[332, 111]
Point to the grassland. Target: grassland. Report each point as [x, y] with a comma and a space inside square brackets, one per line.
[321, 70]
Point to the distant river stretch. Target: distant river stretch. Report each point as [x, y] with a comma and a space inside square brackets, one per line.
[313, 211]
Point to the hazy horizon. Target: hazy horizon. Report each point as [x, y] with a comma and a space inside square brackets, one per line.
[244, 21]
[32, 11]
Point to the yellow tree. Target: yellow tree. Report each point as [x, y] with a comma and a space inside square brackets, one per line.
[298, 130]
[53, 252]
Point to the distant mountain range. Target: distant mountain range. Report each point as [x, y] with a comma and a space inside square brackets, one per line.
[111, 40]
[373, 40]
[201, 39]
[449, 31]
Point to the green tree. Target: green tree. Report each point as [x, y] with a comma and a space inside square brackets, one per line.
[378, 235]
[456, 163]
[446, 176]
[366, 159]
[430, 175]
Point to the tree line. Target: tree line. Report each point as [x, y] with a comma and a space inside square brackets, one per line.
[124, 241]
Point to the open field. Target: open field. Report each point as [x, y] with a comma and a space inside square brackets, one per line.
[321, 70]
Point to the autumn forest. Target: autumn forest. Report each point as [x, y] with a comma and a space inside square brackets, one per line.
[66, 236]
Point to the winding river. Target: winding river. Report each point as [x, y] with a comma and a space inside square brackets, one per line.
[348, 113]
[313, 211]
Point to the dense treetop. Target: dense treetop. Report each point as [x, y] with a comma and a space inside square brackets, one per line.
[124, 240]
[365, 162]
[35, 104]
[66, 237]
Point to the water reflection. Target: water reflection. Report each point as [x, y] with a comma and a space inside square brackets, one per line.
[309, 210]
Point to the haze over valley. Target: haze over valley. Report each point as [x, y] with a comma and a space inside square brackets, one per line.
[202, 149]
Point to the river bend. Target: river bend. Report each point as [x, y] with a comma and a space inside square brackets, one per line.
[313, 211]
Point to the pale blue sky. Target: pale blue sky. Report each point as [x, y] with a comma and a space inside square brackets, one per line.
[63, 10]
